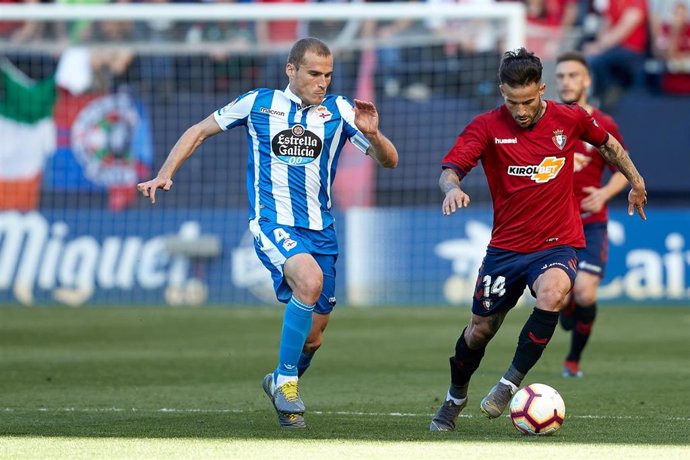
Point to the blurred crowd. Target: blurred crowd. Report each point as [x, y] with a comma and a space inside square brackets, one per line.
[632, 45]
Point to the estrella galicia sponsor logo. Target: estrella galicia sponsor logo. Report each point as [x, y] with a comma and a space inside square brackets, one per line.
[543, 172]
[296, 146]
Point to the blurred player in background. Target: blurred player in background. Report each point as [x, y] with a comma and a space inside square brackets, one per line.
[295, 138]
[527, 148]
[573, 81]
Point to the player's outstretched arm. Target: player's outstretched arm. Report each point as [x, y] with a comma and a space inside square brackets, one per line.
[367, 121]
[183, 149]
[614, 153]
[455, 198]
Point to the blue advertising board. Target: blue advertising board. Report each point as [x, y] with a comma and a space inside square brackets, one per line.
[387, 257]
[94, 257]
[419, 257]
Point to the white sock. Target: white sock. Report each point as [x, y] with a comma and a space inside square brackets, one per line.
[509, 383]
[282, 379]
[456, 401]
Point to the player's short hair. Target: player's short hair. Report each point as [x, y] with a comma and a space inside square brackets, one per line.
[301, 47]
[573, 56]
[519, 68]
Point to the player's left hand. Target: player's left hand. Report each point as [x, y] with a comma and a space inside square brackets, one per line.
[366, 117]
[637, 199]
[595, 200]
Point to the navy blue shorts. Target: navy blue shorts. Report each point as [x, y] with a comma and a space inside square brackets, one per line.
[504, 275]
[593, 258]
[275, 243]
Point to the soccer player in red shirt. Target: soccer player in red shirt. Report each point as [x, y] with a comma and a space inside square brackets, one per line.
[618, 54]
[527, 148]
[572, 82]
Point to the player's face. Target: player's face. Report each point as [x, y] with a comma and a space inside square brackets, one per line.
[524, 102]
[310, 80]
[572, 82]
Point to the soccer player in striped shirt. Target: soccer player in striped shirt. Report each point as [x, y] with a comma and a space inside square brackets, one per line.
[295, 138]
[527, 149]
[572, 82]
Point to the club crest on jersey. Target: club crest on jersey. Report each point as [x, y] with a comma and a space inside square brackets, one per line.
[323, 113]
[541, 173]
[559, 138]
[296, 146]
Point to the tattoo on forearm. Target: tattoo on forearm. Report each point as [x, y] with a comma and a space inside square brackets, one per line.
[448, 180]
[619, 158]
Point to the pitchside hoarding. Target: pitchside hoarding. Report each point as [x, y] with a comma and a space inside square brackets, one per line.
[388, 257]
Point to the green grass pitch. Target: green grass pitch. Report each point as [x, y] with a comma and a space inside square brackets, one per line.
[186, 383]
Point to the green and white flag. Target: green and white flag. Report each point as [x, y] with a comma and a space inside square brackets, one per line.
[27, 129]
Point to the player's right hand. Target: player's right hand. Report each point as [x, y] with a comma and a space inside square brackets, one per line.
[454, 200]
[637, 199]
[148, 188]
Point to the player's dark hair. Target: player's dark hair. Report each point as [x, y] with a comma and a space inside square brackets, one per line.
[301, 47]
[573, 56]
[519, 68]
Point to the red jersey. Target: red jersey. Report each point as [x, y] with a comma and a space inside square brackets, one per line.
[530, 173]
[636, 40]
[677, 82]
[590, 165]
[286, 31]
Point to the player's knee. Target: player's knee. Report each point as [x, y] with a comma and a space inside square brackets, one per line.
[308, 289]
[551, 299]
[586, 296]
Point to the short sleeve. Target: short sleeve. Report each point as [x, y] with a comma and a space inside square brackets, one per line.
[468, 149]
[236, 112]
[592, 132]
[347, 113]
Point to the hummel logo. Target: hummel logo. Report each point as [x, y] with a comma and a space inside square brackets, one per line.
[512, 140]
[290, 366]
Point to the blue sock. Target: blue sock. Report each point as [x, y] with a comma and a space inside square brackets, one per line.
[304, 362]
[296, 326]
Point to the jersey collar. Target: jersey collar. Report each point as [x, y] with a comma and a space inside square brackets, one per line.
[292, 96]
[296, 99]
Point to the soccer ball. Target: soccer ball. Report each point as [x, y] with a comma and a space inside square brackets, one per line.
[537, 409]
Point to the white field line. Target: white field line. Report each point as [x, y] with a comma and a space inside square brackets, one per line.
[169, 410]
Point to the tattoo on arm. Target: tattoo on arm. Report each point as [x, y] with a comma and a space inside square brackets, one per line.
[449, 180]
[614, 154]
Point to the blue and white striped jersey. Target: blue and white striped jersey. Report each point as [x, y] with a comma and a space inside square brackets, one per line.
[293, 153]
